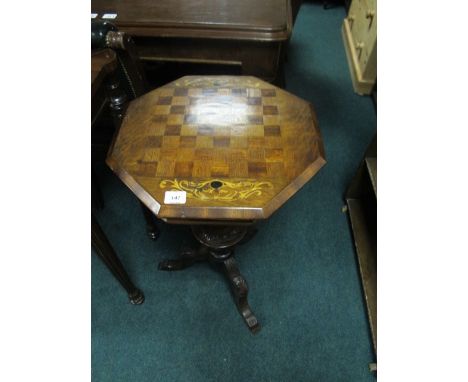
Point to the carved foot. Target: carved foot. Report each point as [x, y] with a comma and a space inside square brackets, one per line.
[175, 265]
[240, 291]
[136, 297]
[188, 257]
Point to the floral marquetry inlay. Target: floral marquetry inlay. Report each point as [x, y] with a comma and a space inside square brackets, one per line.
[226, 191]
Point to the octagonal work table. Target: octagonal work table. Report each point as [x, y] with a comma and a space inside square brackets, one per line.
[217, 153]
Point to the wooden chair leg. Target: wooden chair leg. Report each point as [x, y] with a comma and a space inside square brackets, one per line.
[107, 254]
[151, 228]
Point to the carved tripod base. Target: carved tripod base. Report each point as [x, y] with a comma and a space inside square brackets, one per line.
[218, 247]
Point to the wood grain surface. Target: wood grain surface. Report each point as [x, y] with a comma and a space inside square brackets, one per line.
[237, 146]
[259, 19]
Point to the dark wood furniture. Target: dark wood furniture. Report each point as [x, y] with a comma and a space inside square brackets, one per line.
[103, 66]
[217, 153]
[124, 80]
[361, 200]
[106, 253]
[250, 34]
[103, 63]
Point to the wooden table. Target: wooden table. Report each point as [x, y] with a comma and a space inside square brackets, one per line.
[217, 153]
[250, 34]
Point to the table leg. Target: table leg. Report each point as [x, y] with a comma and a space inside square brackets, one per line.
[151, 228]
[280, 79]
[240, 291]
[107, 254]
[187, 258]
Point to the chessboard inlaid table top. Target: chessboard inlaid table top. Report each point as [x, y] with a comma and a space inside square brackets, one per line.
[236, 147]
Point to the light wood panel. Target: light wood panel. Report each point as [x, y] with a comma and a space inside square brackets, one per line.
[360, 39]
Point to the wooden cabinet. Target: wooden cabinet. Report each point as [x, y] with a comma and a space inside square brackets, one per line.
[360, 40]
[361, 199]
[250, 35]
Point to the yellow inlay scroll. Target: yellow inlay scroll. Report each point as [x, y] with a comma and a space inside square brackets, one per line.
[226, 191]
